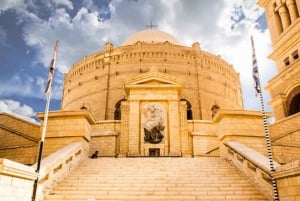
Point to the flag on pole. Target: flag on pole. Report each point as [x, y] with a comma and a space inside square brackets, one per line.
[255, 73]
[51, 70]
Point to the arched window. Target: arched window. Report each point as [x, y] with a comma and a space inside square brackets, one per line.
[83, 107]
[189, 112]
[117, 113]
[293, 101]
[214, 110]
[294, 106]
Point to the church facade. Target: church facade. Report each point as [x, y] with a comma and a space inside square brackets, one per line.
[152, 96]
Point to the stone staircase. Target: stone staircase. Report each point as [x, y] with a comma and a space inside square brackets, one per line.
[203, 178]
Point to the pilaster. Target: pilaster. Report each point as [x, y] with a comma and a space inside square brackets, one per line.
[133, 127]
[174, 128]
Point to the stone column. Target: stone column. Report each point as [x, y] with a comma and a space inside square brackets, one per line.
[134, 128]
[278, 22]
[174, 128]
[291, 5]
[284, 15]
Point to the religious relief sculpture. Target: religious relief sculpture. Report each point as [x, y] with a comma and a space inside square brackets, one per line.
[153, 123]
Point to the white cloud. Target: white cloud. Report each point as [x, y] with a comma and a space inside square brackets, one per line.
[17, 85]
[78, 36]
[31, 86]
[11, 4]
[66, 3]
[16, 108]
[221, 27]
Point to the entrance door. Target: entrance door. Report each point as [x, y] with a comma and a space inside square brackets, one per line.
[154, 152]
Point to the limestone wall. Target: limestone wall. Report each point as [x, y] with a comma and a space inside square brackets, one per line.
[65, 127]
[97, 80]
[242, 126]
[281, 89]
[105, 137]
[285, 138]
[16, 181]
[18, 139]
[284, 25]
[205, 140]
[288, 181]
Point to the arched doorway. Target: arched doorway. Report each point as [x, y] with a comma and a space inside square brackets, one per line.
[117, 113]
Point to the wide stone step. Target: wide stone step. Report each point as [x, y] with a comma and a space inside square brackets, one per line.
[157, 197]
[155, 179]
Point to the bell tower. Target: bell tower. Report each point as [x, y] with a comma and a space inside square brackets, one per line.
[284, 25]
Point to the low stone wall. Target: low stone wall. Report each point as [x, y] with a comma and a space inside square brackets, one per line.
[205, 140]
[288, 181]
[16, 181]
[104, 142]
[18, 139]
[57, 166]
[241, 126]
[285, 138]
[66, 127]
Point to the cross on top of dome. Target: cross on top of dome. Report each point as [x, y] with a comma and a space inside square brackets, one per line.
[151, 25]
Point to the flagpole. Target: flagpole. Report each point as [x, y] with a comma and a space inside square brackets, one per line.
[257, 87]
[48, 94]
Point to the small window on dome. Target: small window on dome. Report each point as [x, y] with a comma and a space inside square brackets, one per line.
[214, 110]
[295, 55]
[286, 61]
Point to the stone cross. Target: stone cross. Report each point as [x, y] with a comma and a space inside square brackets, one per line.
[151, 25]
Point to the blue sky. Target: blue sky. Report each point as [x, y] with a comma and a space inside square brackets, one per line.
[29, 29]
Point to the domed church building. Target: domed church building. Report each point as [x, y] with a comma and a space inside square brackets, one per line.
[154, 97]
[153, 63]
[149, 89]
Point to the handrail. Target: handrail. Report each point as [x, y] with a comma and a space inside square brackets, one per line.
[252, 164]
[28, 137]
[57, 166]
[214, 149]
[18, 146]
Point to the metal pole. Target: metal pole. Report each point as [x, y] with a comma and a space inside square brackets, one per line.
[40, 152]
[48, 93]
[257, 87]
[269, 147]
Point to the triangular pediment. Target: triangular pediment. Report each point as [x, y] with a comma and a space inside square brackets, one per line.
[154, 82]
[153, 79]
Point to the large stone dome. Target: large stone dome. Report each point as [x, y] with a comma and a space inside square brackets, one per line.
[150, 36]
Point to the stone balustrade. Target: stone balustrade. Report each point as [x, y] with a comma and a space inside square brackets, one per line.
[288, 181]
[252, 164]
[57, 166]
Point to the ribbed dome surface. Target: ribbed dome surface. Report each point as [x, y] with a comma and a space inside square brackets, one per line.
[150, 36]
